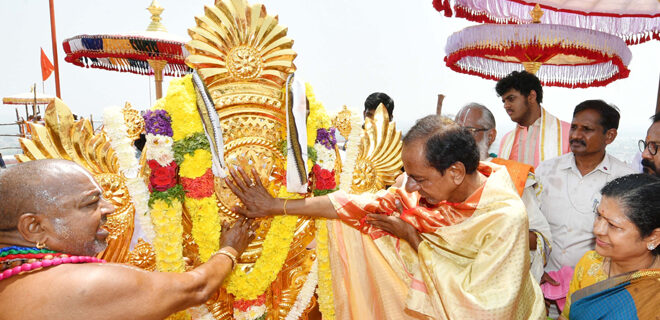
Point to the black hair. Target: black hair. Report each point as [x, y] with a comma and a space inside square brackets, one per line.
[638, 195]
[656, 117]
[375, 99]
[609, 115]
[522, 81]
[446, 143]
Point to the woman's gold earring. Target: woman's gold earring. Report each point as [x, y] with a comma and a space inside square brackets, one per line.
[40, 245]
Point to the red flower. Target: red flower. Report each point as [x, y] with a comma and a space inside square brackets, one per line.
[325, 180]
[162, 178]
[200, 187]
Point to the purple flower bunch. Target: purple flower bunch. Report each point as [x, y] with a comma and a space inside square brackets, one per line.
[158, 122]
[326, 137]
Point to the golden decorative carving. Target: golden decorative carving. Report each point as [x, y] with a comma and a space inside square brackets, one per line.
[143, 256]
[64, 138]
[134, 122]
[536, 14]
[343, 122]
[244, 58]
[155, 9]
[238, 48]
[379, 158]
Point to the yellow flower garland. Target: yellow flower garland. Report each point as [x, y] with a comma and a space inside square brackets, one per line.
[325, 292]
[248, 286]
[181, 105]
[169, 230]
[206, 222]
[318, 118]
[196, 165]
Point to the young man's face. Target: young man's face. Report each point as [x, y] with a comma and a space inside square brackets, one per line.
[516, 105]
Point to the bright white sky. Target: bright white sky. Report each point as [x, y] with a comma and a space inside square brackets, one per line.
[347, 49]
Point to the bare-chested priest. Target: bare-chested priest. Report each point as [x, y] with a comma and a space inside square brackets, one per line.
[51, 226]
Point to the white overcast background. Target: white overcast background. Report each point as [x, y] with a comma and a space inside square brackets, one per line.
[346, 49]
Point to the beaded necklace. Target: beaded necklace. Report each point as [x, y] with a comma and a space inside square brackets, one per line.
[15, 260]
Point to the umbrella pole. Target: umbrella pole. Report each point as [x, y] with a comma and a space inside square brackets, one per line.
[52, 33]
[158, 66]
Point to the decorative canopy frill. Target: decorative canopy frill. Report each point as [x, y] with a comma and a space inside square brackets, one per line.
[28, 98]
[128, 53]
[559, 55]
[635, 21]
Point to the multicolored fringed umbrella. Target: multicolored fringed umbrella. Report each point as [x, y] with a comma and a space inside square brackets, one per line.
[153, 52]
[635, 21]
[559, 55]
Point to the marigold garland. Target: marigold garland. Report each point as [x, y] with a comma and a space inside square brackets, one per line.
[192, 152]
[205, 219]
[325, 291]
[275, 249]
[196, 165]
[169, 230]
[181, 103]
[164, 200]
[318, 118]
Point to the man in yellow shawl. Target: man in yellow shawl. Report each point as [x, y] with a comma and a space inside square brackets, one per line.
[465, 231]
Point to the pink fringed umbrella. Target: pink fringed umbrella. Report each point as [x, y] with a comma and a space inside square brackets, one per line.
[635, 21]
[558, 55]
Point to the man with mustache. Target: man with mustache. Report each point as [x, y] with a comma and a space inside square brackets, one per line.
[51, 229]
[538, 135]
[480, 122]
[570, 184]
[649, 147]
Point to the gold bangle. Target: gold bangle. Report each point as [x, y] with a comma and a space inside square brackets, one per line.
[228, 254]
[284, 207]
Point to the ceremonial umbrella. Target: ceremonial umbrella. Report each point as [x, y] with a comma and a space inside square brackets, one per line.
[29, 98]
[559, 55]
[635, 21]
[153, 52]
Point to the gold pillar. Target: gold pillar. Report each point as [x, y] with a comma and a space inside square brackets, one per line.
[158, 66]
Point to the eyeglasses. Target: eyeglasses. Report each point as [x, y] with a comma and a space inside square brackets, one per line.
[652, 145]
[474, 130]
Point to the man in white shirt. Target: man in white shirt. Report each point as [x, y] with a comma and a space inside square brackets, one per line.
[570, 184]
[477, 119]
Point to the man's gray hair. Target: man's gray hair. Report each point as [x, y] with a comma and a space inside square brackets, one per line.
[487, 119]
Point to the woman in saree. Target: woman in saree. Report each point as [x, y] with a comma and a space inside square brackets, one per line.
[621, 278]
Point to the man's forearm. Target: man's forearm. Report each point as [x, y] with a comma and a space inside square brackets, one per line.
[317, 207]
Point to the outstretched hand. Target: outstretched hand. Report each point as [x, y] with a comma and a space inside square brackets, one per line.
[258, 202]
[239, 235]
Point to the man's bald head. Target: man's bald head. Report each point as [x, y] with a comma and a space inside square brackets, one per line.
[484, 116]
[481, 124]
[34, 187]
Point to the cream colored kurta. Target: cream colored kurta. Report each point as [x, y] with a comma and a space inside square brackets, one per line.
[474, 269]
